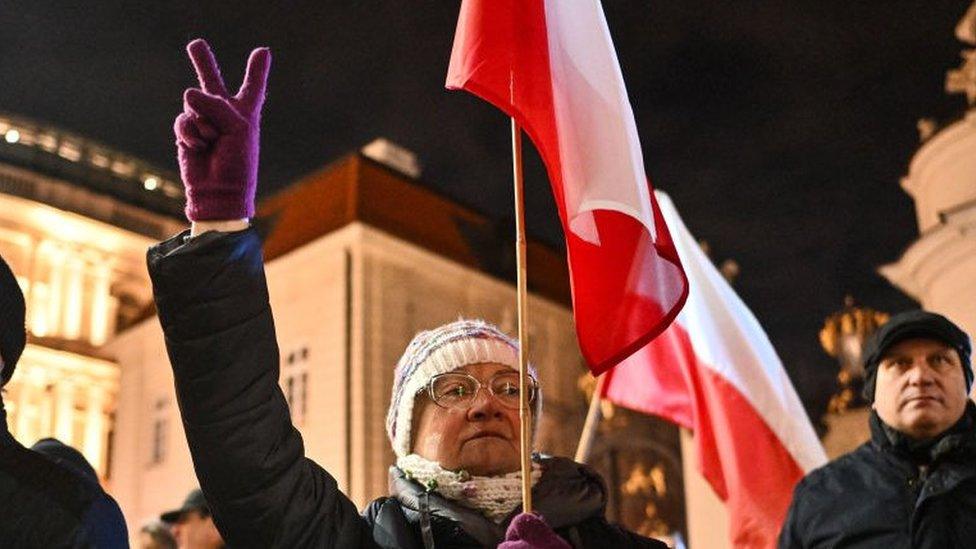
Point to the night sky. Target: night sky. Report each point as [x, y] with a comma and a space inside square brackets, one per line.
[780, 129]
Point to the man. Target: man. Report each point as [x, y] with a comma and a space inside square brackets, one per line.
[453, 417]
[192, 524]
[914, 483]
[45, 502]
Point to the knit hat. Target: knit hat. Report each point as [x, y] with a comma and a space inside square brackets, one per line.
[441, 350]
[908, 325]
[13, 334]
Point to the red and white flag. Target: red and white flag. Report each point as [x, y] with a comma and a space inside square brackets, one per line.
[714, 371]
[551, 65]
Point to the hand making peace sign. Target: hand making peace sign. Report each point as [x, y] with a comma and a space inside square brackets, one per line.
[217, 137]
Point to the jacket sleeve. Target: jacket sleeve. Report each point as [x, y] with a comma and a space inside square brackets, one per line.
[790, 536]
[212, 299]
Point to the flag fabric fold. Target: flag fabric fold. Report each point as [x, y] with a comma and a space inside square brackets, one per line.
[551, 65]
[714, 371]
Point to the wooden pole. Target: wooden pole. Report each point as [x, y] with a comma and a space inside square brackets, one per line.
[525, 413]
[593, 417]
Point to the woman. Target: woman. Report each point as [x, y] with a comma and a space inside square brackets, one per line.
[453, 418]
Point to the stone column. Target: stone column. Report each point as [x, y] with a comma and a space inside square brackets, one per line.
[64, 416]
[74, 295]
[95, 428]
[55, 292]
[101, 303]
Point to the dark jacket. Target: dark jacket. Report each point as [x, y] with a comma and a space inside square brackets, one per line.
[213, 304]
[46, 504]
[891, 493]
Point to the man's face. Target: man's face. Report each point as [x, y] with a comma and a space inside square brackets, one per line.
[482, 440]
[920, 389]
[195, 531]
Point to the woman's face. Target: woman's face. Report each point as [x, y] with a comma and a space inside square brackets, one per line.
[483, 439]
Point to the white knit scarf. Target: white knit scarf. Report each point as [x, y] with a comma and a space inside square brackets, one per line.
[496, 497]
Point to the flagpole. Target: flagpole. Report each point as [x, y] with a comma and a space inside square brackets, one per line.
[593, 417]
[525, 414]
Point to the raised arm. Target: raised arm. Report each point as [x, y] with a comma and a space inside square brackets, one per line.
[212, 298]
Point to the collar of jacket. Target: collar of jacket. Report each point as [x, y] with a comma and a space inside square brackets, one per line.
[958, 439]
[6, 439]
[568, 493]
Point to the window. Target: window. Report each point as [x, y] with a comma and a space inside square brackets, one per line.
[294, 381]
[159, 427]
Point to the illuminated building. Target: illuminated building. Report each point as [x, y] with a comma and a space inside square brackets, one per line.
[75, 219]
[939, 267]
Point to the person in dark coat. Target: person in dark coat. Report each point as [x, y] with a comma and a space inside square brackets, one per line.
[913, 485]
[46, 501]
[65, 455]
[453, 418]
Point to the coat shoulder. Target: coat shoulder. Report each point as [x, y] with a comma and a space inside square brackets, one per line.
[389, 524]
[844, 473]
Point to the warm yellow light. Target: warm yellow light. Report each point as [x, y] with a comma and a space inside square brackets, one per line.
[73, 295]
[48, 142]
[39, 310]
[101, 304]
[56, 261]
[100, 160]
[12, 136]
[123, 168]
[150, 183]
[70, 151]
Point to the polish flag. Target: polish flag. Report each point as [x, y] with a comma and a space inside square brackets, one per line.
[714, 371]
[551, 65]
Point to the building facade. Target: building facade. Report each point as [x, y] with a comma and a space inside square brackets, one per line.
[75, 219]
[939, 267]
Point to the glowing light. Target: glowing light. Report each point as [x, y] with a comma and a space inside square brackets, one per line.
[150, 183]
[123, 168]
[103, 305]
[70, 151]
[12, 136]
[74, 293]
[48, 142]
[100, 160]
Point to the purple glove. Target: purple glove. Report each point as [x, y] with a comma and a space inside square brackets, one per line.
[530, 531]
[217, 137]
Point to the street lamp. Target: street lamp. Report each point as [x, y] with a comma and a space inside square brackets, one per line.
[842, 337]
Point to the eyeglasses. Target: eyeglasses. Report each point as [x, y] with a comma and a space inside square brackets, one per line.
[458, 390]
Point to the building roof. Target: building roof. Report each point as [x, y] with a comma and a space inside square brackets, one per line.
[60, 155]
[356, 188]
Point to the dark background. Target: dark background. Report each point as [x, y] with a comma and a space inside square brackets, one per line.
[780, 129]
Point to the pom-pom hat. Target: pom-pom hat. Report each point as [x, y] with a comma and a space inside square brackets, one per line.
[441, 350]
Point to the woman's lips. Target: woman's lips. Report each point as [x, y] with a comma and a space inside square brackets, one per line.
[485, 434]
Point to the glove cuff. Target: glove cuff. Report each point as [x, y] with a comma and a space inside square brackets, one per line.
[217, 206]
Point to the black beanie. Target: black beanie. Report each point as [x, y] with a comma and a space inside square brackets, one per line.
[13, 334]
[908, 325]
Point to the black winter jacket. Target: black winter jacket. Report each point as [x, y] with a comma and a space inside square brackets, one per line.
[49, 505]
[891, 493]
[212, 300]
